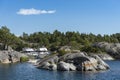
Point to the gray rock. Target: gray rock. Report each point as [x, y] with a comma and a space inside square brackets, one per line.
[10, 56]
[72, 62]
[66, 48]
[105, 57]
[45, 65]
[71, 56]
[101, 67]
[5, 61]
[53, 67]
[48, 66]
[101, 64]
[63, 66]
[112, 48]
[48, 63]
[51, 59]
[85, 63]
[72, 67]
[87, 66]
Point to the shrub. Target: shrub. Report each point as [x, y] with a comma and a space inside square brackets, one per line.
[62, 52]
[24, 59]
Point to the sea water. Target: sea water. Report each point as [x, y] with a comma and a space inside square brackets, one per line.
[26, 71]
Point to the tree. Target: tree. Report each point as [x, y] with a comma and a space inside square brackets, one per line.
[25, 36]
[6, 37]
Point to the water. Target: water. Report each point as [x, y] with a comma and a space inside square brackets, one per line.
[26, 71]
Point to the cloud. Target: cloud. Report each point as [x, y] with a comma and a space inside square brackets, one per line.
[33, 11]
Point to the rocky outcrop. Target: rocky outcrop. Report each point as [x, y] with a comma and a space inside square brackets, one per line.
[10, 56]
[111, 48]
[105, 57]
[63, 66]
[73, 62]
[101, 65]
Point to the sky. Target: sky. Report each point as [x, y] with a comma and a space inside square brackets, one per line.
[85, 16]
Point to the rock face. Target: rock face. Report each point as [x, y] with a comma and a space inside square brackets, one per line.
[10, 56]
[111, 48]
[105, 57]
[73, 62]
[63, 66]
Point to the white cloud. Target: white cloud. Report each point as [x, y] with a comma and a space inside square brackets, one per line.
[33, 11]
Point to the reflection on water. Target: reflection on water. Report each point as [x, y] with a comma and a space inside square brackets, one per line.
[25, 71]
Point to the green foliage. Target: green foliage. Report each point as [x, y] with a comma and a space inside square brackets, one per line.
[7, 38]
[62, 52]
[92, 49]
[53, 53]
[79, 41]
[24, 59]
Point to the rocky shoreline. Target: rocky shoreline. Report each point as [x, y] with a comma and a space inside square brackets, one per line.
[10, 56]
[112, 49]
[73, 62]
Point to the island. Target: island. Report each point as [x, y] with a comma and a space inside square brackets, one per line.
[68, 51]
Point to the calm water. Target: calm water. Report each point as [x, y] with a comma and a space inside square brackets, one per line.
[26, 71]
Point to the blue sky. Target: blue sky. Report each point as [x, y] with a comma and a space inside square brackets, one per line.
[85, 16]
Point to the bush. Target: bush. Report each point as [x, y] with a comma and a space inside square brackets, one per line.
[24, 59]
[92, 49]
[62, 52]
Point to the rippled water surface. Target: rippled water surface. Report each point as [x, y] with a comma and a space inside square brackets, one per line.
[26, 71]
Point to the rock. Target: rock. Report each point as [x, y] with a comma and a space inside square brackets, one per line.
[53, 67]
[4, 58]
[45, 65]
[10, 56]
[112, 48]
[5, 61]
[48, 63]
[33, 61]
[10, 48]
[53, 59]
[101, 64]
[48, 66]
[105, 57]
[109, 47]
[101, 67]
[70, 56]
[63, 66]
[72, 67]
[66, 48]
[88, 66]
[73, 62]
[85, 63]
[101, 44]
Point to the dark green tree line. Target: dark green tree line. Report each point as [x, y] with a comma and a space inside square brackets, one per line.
[77, 40]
